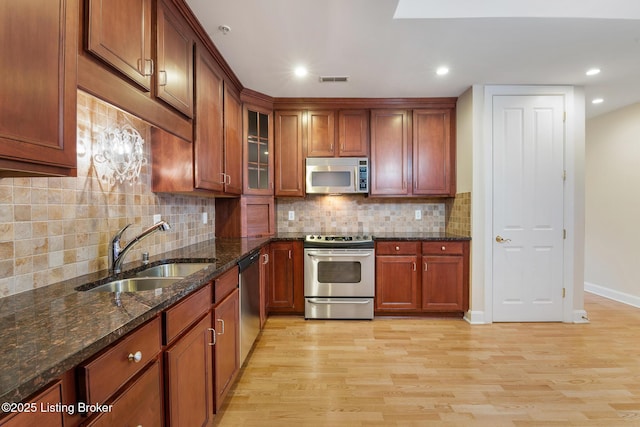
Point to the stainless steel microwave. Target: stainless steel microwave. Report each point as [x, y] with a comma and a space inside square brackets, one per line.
[337, 175]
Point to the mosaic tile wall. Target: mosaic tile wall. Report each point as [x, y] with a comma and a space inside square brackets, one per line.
[52, 229]
[357, 214]
[459, 215]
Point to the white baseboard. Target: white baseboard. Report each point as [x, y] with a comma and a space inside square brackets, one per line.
[475, 317]
[612, 294]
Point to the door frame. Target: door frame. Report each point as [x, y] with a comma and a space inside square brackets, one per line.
[573, 251]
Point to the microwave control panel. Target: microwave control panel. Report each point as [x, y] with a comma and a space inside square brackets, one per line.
[363, 176]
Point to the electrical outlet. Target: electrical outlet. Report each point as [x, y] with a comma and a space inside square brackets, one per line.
[418, 214]
[205, 217]
[292, 215]
[157, 218]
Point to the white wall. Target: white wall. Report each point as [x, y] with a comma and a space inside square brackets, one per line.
[612, 239]
[464, 142]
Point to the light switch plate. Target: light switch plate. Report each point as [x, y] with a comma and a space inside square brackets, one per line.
[157, 218]
[292, 215]
[418, 214]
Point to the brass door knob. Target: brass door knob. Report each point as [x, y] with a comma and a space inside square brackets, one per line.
[499, 239]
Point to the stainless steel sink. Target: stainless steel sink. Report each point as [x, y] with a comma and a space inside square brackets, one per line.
[177, 269]
[135, 284]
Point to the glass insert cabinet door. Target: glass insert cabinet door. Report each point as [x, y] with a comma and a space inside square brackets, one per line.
[258, 153]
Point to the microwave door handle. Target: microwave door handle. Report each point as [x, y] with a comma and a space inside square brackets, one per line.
[355, 179]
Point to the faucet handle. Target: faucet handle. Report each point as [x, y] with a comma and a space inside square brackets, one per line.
[116, 238]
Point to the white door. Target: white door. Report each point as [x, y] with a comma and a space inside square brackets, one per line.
[528, 191]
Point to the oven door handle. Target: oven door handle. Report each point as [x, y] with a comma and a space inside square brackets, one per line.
[315, 301]
[339, 255]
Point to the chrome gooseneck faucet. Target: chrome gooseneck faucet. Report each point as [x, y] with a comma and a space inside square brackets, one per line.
[116, 254]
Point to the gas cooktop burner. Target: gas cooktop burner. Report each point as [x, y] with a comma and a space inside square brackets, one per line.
[319, 240]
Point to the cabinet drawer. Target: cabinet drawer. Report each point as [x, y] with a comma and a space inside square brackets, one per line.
[397, 248]
[139, 405]
[104, 375]
[225, 284]
[180, 316]
[37, 418]
[443, 248]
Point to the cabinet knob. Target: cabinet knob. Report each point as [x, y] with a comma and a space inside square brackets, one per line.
[397, 248]
[135, 357]
[444, 248]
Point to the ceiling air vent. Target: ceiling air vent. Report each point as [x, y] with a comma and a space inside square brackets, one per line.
[333, 79]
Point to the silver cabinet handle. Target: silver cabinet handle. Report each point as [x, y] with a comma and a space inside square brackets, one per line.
[265, 259]
[414, 266]
[135, 357]
[162, 78]
[213, 333]
[222, 322]
[425, 266]
[289, 253]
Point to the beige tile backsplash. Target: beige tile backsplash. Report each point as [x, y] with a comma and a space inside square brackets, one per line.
[52, 229]
[357, 214]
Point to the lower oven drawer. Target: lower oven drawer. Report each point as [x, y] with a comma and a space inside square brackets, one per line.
[338, 308]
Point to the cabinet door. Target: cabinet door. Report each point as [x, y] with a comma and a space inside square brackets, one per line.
[286, 287]
[442, 283]
[258, 153]
[140, 404]
[174, 74]
[208, 158]
[321, 133]
[433, 153]
[390, 152]
[189, 378]
[49, 397]
[226, 324]
[353, 133]
[289, 153]
[232, 142]
[119, 32]
[38, 87]
[397, 283]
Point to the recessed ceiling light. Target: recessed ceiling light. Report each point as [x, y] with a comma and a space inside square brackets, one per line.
[300, 71]
[441, 71]
[597, 101]
[593, 71]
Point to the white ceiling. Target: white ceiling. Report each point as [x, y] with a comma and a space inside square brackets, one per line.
[387, 57]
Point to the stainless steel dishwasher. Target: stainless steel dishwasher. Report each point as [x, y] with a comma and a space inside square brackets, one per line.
[249, 302]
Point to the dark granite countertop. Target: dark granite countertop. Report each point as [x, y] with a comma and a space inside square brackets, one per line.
[47, 331]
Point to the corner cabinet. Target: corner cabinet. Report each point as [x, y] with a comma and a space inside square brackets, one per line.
[413, 152]
[38, 88]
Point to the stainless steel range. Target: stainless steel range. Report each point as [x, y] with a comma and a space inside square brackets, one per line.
[339, 277]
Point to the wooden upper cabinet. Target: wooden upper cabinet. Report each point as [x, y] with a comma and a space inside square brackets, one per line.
[232, 141]
[390, 152]
[353, 133]
[38, 88]
[208, 124]
[321, 133]
[174, 73]
[346, 136]
[289, 149]
[119, 33]
[258, 151]
[433, 153]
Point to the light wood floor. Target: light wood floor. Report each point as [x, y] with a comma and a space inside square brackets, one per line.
[426, 372]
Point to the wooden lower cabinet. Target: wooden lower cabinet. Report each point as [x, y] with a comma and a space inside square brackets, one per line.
[51, 395]
[226, 352]
[427, 277]
[188, 377]
[286, 282]
[397, 283]
[139, 405]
